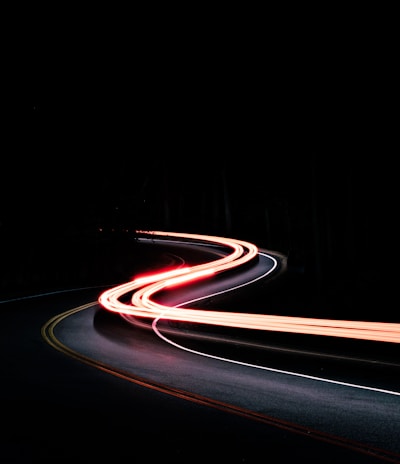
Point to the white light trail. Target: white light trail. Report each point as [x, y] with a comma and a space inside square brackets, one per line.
[143, 290]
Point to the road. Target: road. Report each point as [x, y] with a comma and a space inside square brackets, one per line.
[81, 382]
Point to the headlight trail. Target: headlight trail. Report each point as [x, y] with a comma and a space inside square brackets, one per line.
[143, 289]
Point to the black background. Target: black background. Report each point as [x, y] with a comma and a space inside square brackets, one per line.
[258, 130]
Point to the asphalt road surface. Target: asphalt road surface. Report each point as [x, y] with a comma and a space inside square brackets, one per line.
[81, 383]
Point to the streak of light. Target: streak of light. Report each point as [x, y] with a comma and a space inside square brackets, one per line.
[270, 369]
[142, 304]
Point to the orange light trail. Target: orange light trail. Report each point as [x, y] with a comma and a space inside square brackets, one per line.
[143, 289]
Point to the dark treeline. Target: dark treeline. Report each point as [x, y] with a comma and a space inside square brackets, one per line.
[324, 213]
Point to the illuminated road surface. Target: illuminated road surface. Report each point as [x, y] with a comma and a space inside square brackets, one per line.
[241, 253]
[351, 402]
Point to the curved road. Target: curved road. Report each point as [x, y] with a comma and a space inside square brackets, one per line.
[183, 392]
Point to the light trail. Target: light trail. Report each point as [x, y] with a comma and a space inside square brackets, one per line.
[143, 289]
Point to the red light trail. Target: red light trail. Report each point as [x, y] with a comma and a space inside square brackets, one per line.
[241, 252]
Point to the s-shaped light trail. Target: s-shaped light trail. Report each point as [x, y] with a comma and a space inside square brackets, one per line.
[241, 252]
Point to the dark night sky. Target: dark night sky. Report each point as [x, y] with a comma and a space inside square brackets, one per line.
[298, 124]
[78, 140]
